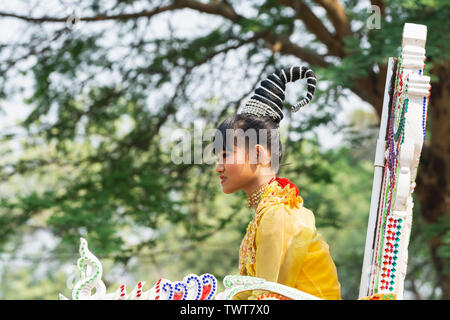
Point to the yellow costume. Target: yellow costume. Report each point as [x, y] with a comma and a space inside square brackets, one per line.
[282, 245]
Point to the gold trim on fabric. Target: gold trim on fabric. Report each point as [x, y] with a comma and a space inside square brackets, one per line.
[273, 194]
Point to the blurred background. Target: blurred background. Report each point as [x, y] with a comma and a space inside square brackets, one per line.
[92, 91]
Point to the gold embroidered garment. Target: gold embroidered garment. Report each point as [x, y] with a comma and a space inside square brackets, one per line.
[282, 245]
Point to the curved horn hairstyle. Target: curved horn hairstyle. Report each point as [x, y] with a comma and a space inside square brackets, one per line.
[269, 96]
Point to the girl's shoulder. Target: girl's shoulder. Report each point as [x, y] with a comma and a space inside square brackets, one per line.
[285, 200]
[279, 194]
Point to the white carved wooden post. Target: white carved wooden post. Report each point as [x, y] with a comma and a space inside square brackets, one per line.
[401, 137]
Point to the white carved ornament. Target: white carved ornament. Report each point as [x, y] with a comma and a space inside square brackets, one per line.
[192, 287]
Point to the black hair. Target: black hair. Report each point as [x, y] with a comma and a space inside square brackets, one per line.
[245, 122]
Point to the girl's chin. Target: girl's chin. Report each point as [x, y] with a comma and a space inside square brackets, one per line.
[226, 192]
[227, 189]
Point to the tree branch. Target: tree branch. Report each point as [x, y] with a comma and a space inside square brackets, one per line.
[216, 8]
[282, 44]
[337, 15]
[222, 9]
[380, 4]
[101, 17]
[272, 39]
[316, 27]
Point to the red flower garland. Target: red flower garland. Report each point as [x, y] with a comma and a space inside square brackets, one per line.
[285, 181]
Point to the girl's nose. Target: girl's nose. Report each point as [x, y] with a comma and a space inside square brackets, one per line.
[219, 167]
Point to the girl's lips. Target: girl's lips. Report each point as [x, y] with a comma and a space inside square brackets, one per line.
[223, 180]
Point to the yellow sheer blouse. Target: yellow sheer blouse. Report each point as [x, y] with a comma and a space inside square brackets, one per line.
[282, 245]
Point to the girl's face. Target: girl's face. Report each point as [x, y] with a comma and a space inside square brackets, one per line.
[237, 170]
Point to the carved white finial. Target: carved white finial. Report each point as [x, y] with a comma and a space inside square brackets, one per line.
[91, 274]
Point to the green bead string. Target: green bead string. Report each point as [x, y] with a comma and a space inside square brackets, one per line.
[395, 258]
[400, 131]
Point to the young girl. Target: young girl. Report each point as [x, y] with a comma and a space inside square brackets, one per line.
[281, 243]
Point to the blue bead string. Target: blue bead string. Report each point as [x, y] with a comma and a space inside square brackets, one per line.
[170, 290]
[424, 116]
[207, 278]
[199, 288]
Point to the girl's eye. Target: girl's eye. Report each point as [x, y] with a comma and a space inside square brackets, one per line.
[220, 159]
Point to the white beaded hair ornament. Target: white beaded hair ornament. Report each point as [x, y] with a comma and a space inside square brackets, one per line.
[269, 96]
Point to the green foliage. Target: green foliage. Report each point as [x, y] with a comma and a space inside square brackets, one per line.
[441, 231]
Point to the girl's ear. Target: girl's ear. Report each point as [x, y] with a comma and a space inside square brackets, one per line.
[259, 152]
[263, 155]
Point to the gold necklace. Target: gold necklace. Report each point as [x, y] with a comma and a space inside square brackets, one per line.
[255, 196]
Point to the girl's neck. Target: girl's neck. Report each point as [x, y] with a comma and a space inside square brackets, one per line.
[256, 184]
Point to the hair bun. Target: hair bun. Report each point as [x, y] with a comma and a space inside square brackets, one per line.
[269, 96]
